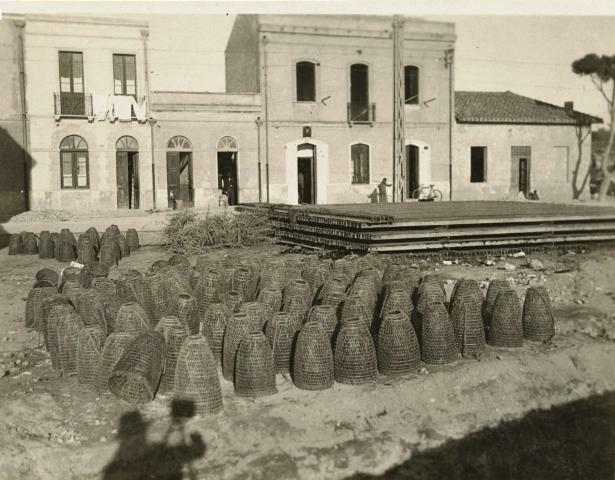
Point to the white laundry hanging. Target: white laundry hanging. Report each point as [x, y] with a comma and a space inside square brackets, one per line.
[100, 106]
[121, 107]
[140, 109]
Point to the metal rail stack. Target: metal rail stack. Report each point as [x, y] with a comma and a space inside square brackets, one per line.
[433, 226]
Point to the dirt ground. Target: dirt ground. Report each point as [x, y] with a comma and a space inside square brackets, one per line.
[540, 411]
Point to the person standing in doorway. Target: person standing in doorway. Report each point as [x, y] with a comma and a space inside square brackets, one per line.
[382, 191]
[229, 186]
[301, 186]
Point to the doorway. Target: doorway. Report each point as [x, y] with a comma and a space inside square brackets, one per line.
[306, 173]
[521, 163]
[127, 172]
[180, 185]
[524, 175]
[412, 169]
[227, 176]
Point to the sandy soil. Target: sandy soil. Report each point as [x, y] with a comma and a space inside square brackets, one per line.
[52, 427]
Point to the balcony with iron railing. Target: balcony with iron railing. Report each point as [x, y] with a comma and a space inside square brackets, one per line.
[80, 105]
[361, 113]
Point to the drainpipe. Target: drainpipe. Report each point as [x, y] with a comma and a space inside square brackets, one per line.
[451, 95]
[259, 124]
[27, 174]
[265, 87]
[148, 114]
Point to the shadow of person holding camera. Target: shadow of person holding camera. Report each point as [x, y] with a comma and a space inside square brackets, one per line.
[138, 459]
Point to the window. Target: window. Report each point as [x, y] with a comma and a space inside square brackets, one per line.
[411, 84]
[72, 98]
[74, 162]
[359, 93]
[124, 74]
[359, 154]
[478, 167]
[227, 144]
[306, 82]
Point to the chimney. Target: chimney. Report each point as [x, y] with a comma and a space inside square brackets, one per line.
[568, 106]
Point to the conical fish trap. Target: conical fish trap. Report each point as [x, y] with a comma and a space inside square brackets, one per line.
[188, 314]
[255, 312]
[468, 324]
[273, 275]
[132, 239]
[72, 274]
[113, 244]
[46, 306]
[271, 299]
[298, 309]
[232, 300]
[158, 265]
[68, 331]
[89, 346]
[464, 288]
[175, 337]
[335, 286]
[506, 326]
[57, 240]
[298, 288]
[182, 264]
[130, 286]
[357, 307]
[196, 376]
[208, 290]
[317, 275]
[313, 360]
[325, 316]
[280, 332]
[242, 282]
[123, 244]
[47, 274]
[194, 280]
[56, 311]
[113, 349]
[355, 355]
[30, 245]
[85, 250]
[538, 320]
[429, 293]
[155, 297]
[107, 256]
[105, 287]
[132, 320]
[15, 244]
[74, 293]
[45, 245]
[397, 299]
[237, 327]
[392, 272]
[398, 348]
[255, 371]
[495, 287]
[93, 270]
[213, 327]
[44, 283]
[33, 306]
[92, 234]
[111, 308]
[136, 376]
[437, 336]
[175, 284]
[91, 310]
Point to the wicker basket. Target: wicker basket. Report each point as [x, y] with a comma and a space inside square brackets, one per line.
[208, 290]
[105, 286]
[188, 313]
[132, 239]
[67, 333]
[196, 376]
[392, 272]
[113, 349]
[136, 376]
[255, 371]
[34, 301]
[44, 283]
[48, 274]
[123, 244]
[280, 332]
[325, 316]
[85, 250]
[397, 298]
[355, 355]
[130, 286]
[464, 288]
[238, 325]
[213, 326]
[93, 270]
[175, 335]
[30, 245]
[298, 309]
[255, 312]
[335, 286]
[72, 274]
[298, 288]
[506, 326]
[89, 346]
[114, 245]
[465, 314]
[397, 348]
[273, 275]
[52, 318]
[317, 275]
[182, 264]
[92, 234]
[111, 308]
[242, 282]
[175, 284]
[91, 310]
[15, 244]
[155, 297]
[158, 265]
[232, 300]
[429, 293]
[57, 240]
[168, 323]
[107, 255]
[313, 359]
[538, 320]
[46, 306]
[356, 307]
[271, 299]
[131, 319]
[437, 336]
[45, 245]
[67, 251]
[495, 287]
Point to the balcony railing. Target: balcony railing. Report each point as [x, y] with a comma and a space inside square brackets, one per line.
[69, 104]
[362, 114]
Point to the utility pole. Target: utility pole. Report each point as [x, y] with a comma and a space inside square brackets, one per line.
[449, 56]
[399, 174]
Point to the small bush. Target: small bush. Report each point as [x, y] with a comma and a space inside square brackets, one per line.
[190, 233]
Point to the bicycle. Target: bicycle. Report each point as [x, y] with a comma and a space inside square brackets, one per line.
[431, 195]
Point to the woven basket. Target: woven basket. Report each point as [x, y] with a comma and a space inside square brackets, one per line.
[357, 307]
[188, 313]
[113, 349]
[175, 336]
[57, 240]
[495, 287]
[255, 371]
[67, 251]
[317, 275]
[132, 239]
[105, 286]
[175, 284]
[213, 326]
[238, 325]
[15, 244]
[72, 274]
[429, 293]
[397, 298]
[111, 308]
[280, 332]
[67, 332]
[437, 336]
[397, 348]
[392, 272]
[30, 245]
[538, 320]
[52, 318]
[334, 286]
[89, 346]
[85, 250]
[298, 309]
[46, 306]
[34, 302]
[271, 299]
[73, 290]
[313, 359]
[112, 230]
[298, 288]
[123, 244]
[232, 300]
[325, 316]
[464, 288]
[44, 283]
[355, 355]
[242, 282]
[131, 319]
[92, 234]
[168, 323]
[273, 275]
[506, 326]
[196, 376]
[45, 245]
[155, 297]
[93, 270]
[129, 286]
[48, 274]
[465, 314]
[255, 312]
[91, 310]
[107, 255]
[208, 290]
[136, 376]
[182, 264]
[194, 280]
[158, 265]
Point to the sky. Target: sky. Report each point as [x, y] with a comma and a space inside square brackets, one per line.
[529, 55]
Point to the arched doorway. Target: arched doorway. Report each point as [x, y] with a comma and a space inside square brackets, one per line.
[418, 166]
[179, 172]
[127, 172]
[228, 181]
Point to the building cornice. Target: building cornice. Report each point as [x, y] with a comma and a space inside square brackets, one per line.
[79, 19]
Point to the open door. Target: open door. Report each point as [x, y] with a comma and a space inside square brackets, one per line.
[521, 159]
[306, 173]
[227, 176]
[412, 169]
[127, 172]
[121, 165]
[524, 175]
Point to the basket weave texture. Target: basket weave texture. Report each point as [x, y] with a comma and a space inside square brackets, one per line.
[68, 330]
[398, 348]
[232, 300]
[213, 326]
[196, 376]
[188, 313]
[325, 316]
[122, 243]
[15, 244]
[271, 299]
[255, 372]
[495, 287]
[438, 344]
[45, 245]
[237, 327]
[313, 361]
[113, 349]
[91, 309]
[208, 290]
[47, 274]
[106, 256]
[182, 264]
[105, 286]
[132, 239]
[538, 320]
[280, 332]
[355, 355]
[33, 313]
[131, 319]
[506, 326]
[89, 346]
[175, 337]
[136, 376]
[468, 323]
[255, 312]
[155, 297]
[130, 286]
